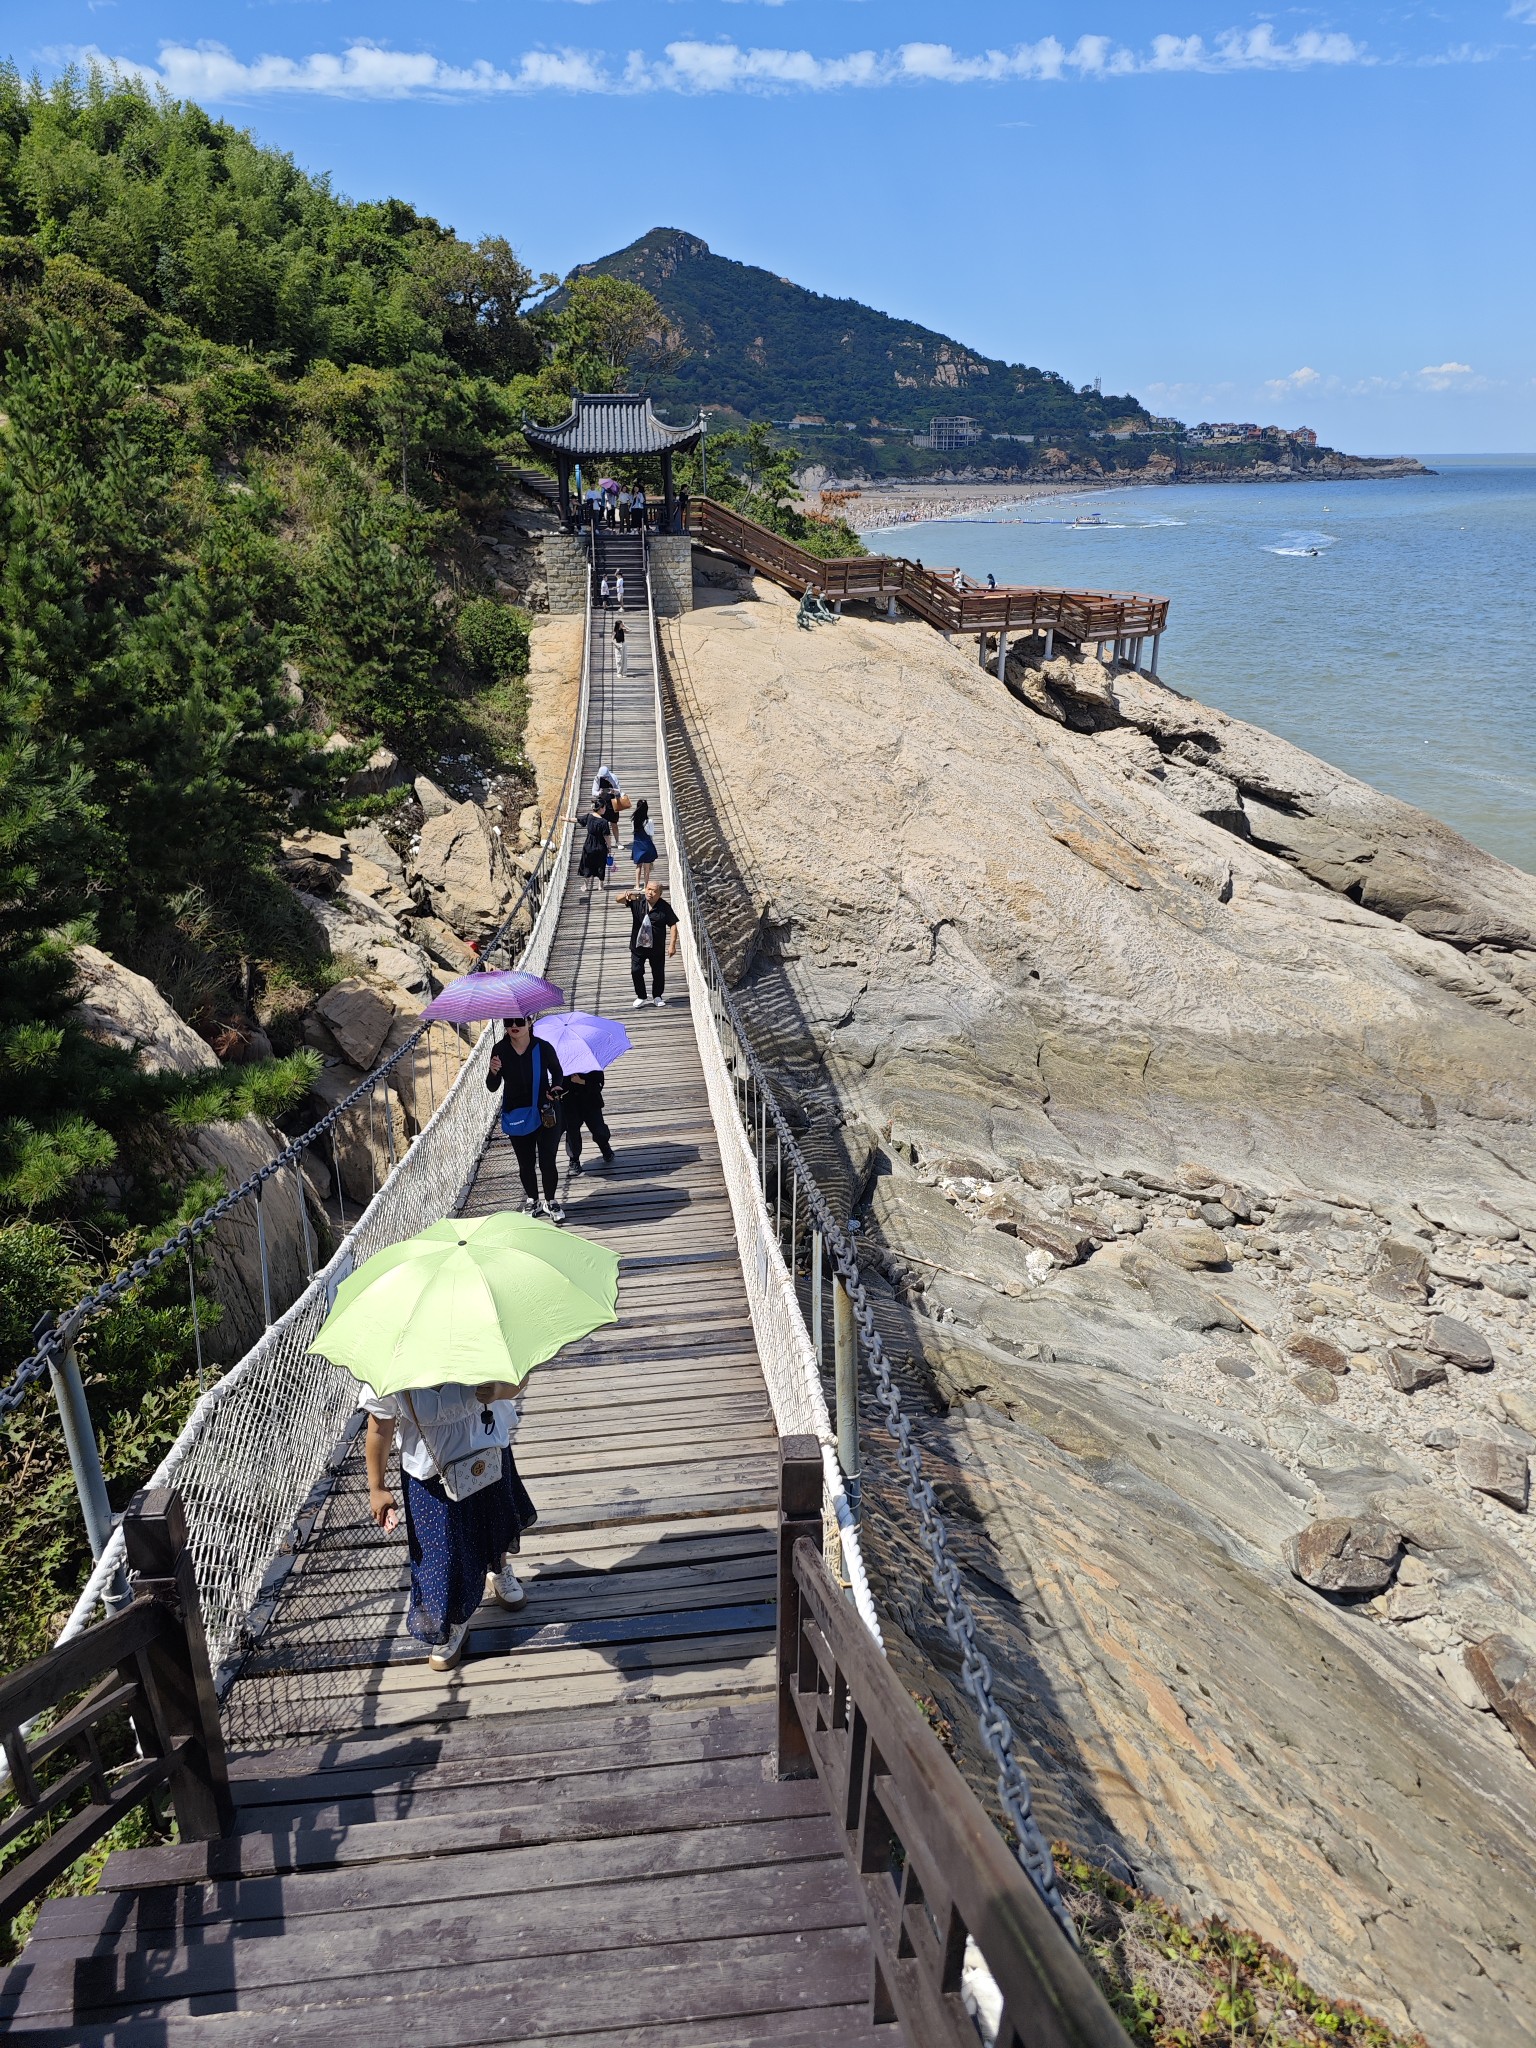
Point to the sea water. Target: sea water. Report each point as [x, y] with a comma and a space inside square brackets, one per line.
[1389, 626]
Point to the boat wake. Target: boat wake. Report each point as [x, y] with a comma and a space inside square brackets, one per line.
[1301, 544]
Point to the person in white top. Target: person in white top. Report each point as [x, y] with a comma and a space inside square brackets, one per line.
[618, 590]
[462, 1532]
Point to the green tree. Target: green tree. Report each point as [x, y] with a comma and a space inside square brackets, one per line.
[607, 333]
[377, 637]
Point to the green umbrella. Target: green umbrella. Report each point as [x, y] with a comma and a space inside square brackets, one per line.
[469, 1299]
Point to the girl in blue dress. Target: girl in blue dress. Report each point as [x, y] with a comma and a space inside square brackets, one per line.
[643, 848]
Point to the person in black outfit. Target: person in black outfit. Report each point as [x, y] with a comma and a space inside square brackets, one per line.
[584, 1105]
[511, 1070]
[653, 937]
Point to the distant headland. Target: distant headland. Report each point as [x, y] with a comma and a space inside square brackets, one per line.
[864, 396]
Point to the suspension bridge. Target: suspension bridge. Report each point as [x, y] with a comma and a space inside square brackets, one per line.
[679, 1797]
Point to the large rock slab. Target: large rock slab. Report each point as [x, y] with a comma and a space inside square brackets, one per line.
[118, 1007]
[1506, 1676]
[359, 1018]
[462, 864]
[1449, 1337]
[1495, 1468]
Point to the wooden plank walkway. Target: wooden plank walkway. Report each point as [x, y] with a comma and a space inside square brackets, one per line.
[577, 1835]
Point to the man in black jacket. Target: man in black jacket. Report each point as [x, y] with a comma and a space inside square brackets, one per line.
[532, 1083]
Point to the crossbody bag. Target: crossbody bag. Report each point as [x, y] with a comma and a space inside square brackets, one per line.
[461, 1477]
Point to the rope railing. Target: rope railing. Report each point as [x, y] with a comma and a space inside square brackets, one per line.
[800, 1215]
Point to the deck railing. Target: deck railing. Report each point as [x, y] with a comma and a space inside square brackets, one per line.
[1081, 616]
[963, 1943]
[148, 1689]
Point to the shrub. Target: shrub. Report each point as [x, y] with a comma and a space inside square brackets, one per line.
[492, 639]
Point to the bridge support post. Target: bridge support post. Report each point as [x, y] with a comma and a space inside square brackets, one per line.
[890, 608]
[1002, 654]
[84, 1459]
[1050, 640]
[180, 1681]
[818, 1337]
[1156, 642]
[799, 1515]
[845, 1358]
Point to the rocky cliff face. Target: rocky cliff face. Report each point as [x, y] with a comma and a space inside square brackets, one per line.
[1186, 1087]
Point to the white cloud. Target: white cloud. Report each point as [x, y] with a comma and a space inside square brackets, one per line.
[1304, 379]
[1523, 10]
[370, 70]
[1446, 376]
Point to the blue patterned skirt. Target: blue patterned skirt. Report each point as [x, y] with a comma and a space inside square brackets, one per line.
[454, 1543]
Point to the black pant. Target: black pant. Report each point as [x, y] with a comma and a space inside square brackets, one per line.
[657, 955]
[543, 1146]
[584, 1105]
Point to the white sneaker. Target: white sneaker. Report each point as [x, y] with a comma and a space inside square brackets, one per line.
[448, 1654]
[529, 1205]
[503, 1587]
[553, 1211]
[640, 1003]
[660, 1002]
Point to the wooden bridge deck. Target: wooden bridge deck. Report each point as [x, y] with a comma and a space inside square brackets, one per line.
[577, 1835]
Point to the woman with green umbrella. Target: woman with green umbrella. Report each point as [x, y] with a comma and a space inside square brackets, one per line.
[442, 1328]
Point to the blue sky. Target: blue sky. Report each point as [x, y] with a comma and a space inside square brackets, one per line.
[1320, 217]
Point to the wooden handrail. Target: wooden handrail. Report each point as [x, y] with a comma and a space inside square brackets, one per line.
[1078, 615]
[931, 1867]
[150, 1662]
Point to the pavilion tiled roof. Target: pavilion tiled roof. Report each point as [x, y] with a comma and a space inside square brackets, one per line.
[609, 423]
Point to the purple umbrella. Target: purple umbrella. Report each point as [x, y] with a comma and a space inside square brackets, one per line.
[510, 993]
[583, 1042]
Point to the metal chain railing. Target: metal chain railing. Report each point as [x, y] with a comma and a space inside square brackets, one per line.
[778, 1156]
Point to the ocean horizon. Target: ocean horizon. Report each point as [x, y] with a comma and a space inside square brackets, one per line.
[1379, 623]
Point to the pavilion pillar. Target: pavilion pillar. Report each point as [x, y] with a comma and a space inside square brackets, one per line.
[668, 499]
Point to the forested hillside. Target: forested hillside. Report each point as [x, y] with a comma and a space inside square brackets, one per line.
[246, 430]
[768, 348]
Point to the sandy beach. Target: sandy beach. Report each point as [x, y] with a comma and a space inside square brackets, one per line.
[869, 508]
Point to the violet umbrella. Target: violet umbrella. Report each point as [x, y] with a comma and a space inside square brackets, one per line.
[584, 1043]
[478, 998]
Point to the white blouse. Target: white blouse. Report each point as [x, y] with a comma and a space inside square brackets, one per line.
[454, 1420]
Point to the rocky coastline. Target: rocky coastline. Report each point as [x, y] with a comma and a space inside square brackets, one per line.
[1183, 1090]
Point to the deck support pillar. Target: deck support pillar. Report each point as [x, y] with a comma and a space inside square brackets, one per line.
[799, 1515]
[1156, 641]
[1050, 640]
[1002, 654]
[890, 609]
[84, 1457]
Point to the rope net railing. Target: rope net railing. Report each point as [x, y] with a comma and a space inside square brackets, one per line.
[780, 1210]
[262, 1437]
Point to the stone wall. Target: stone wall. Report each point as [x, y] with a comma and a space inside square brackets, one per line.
[565, 572]
[672, 573]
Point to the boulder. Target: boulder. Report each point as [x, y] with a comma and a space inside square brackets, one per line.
[1338, 1555]
[1317, 1351]
[359, 1017]
[443, 944]
[118, 1007]
[1506, 1677]
[361, 1138]
[1447, 1337]
[1186, 1306]
[1217, 1215]
[1064, 1242]
[371, 842]
[320, 845]
[1402, 1271]
[365, 878]
[1496, 1469]
[461, 862]
[1319, 1387]
[1195, 1248]
[405, 966]
[530, 825]
[378, 773]
[1409, 1370]
[1519, 1406]
[434, 801]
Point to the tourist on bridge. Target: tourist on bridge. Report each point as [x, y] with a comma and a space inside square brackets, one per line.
[619, 637]
[461, 1549]
[642, 848]
[601, 823]
[583, 1105]
[653, 938]
[532, 1084]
